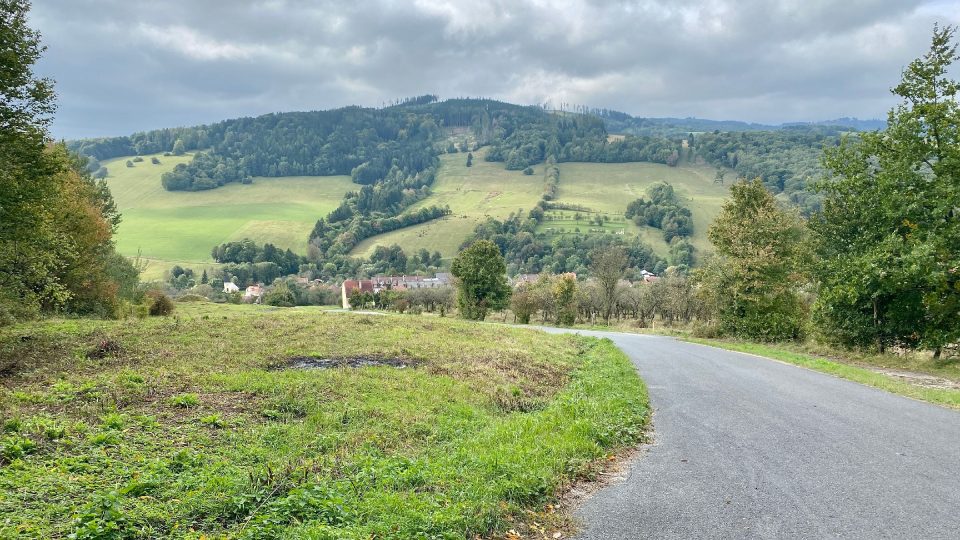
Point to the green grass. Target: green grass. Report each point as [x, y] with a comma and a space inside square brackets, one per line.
[473, 193]
[609, 187]
[195, 426]
[489, 190]
[181, 227]
[948, 397]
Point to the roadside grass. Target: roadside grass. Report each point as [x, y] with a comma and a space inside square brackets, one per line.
[181, 227]
[198, 426]
[912, 374]
[846, 369]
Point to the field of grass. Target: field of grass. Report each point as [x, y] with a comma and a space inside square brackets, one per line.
[202, 426]
[609, 187]
[180, 227]
[488, 189]
[474, 193]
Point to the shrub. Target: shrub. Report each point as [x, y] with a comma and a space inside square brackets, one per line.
[137, 159]
[159, 304]
[528, 171]
[129, 163]
[154, 160]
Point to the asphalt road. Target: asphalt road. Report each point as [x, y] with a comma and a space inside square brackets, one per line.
[746, 447]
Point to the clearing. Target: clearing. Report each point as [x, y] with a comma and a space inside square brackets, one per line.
[205, 425]
[489, 190]
[180, 227]
[474, 193]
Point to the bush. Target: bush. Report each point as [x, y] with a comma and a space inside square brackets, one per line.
[159, 304]
[528, 171]
[154, 160]
[129, 163]
[137, 159]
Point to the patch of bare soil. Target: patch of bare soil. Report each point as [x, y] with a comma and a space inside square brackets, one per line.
[919, 379]
[312, 362]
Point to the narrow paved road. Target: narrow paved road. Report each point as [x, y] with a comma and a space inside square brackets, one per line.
[746, 447]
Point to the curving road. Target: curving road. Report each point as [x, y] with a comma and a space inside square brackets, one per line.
[746, 447]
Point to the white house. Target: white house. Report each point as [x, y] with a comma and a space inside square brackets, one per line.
[230, 287]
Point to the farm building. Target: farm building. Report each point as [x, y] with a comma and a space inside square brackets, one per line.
[396, 283]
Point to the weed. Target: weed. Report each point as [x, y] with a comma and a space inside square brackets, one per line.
[187, 401]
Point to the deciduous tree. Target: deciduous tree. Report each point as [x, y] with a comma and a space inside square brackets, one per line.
[761, 261]
[889, 232]
[481, 280]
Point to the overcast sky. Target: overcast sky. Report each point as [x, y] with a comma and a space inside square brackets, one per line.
[128, 65]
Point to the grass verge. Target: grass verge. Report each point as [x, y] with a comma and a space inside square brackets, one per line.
[948, 397]
[199, 425]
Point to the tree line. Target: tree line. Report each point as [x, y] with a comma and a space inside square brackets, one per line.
[56, 221]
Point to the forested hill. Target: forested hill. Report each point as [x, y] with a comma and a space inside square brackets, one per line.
[395, 147]
[623, 123]
[373, 145]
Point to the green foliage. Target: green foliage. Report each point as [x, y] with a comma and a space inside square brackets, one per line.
[564, 298]
[56, 220]
[481, 280]
[523, 303]
[160, 305]
[889, 233]
[279, 295]
[102, 519]
[373, 146]
[186, 401]
[761, 262]
[663, 211]
[786, 160]
[527, 251]
[607, 266]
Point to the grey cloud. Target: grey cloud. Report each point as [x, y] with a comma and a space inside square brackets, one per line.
[123, 66]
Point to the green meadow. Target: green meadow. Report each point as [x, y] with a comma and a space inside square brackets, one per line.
[169, 228]
[180, 227]
[489, 190]
[609, 187]
[193, 426]
[473, 193]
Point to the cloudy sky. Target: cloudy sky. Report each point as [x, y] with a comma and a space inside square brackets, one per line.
[128, 65]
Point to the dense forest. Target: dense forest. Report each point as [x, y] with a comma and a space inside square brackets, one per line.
[787, 160]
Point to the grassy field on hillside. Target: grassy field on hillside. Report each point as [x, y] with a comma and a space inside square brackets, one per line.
[488, 189]
[181, 227]
[473, 193]
[609, 187]
[202, 425]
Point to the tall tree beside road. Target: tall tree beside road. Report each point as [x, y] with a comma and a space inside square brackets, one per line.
[889, 232]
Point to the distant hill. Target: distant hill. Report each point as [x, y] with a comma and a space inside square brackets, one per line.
[407, 163]
[622, 123]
